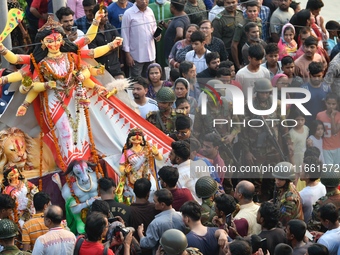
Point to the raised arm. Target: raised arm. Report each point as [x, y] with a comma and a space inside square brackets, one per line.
[13, 58]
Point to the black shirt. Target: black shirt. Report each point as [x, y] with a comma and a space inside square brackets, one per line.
[110, 59]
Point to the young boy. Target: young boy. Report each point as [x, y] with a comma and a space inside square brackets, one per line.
[197, 55]
[250, 73]
[272, 57]
[288, 68]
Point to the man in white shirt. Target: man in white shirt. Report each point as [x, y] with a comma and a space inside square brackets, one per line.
[180, 157]
[329, 217]
[247, 75]
[139, 91]
[57, 240]
[138, 28]
[244, 193]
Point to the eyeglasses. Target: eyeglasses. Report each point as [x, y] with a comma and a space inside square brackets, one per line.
[205, 28]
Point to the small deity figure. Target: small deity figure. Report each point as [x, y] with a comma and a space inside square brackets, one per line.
[137, 162]
[79, 192]
[15, 185]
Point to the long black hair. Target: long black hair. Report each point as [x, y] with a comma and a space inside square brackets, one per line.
[39, 53]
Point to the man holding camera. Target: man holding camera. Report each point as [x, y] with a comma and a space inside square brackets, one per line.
[66, 18]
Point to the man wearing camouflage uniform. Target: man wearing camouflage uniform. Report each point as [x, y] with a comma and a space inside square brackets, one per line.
[287, 198]
[8, 232]
[206, 188]
[257, 143]
[331, 179]
[165, 118]
[225, 23]
[204, 124]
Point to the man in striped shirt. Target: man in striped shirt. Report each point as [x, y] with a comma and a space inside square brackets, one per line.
[35, 227]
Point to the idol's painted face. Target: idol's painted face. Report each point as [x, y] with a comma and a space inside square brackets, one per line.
[53, 42]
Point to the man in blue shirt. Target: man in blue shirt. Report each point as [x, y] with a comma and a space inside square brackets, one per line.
[85, 22]
[317, 89]
[116, 11]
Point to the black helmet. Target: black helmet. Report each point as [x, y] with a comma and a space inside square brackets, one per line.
[174, 242]
[8, 229]
[284, 171]
[205, 187]
[330, 177]
[263, 85]
[165, 95]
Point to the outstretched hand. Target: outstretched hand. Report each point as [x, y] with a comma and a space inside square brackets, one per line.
[99, 15]
[118, 41]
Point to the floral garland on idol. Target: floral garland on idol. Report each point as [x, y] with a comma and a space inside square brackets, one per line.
[74, 124]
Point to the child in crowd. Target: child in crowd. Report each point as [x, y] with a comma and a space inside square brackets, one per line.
[288, 68]
[298, 135]
[315, 139]
[280, 80]
[295, 6]
[333, 28]
[272, 57]
[287, 45]
[331, 121]
[197, 55]
[182, 106]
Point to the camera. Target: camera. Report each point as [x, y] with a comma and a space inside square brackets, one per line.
[114, 232]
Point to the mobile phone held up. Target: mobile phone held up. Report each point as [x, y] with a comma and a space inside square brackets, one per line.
[74, 29]
[158, 32]
[228, 219]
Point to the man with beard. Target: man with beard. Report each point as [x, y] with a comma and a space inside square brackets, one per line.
[66, 18]
[213, 61]
[165, 118]
[253, 36]
[187, 70]
[301, 64]
[139, 91]
[280, 17]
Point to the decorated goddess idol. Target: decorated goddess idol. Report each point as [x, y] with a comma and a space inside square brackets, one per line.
[137, 161]
[58, 97]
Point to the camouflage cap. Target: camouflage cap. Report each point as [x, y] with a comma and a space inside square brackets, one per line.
[174, 242]
[284, 171]
[8, 229]
[165, 95]
[205, 187]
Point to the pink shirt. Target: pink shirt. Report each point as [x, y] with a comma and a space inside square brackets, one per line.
[77, 7]
[330, 142]
[137, 31]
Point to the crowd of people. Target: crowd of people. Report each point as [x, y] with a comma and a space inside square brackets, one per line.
[262, 180]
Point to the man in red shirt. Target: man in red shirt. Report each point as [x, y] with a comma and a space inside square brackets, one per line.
[168, 176]
[39, 9]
